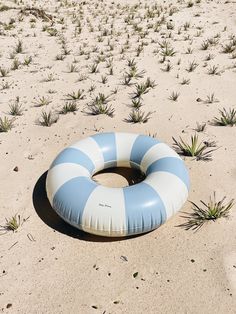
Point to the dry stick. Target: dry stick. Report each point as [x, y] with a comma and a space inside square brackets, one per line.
[30, 237]
[25, 219]
[13, 245]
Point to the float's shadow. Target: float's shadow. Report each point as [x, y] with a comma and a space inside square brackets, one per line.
[50, 217]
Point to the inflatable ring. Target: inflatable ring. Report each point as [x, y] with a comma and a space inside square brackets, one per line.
[106, 211]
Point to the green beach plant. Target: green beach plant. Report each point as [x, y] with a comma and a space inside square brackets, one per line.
[82, 77]
[16, 108]
[174, 96]
[79, 95]
[227, 117]
[136, 103]
[91, 88]
[205, 45]
[167, 51]
[42, 101]
[60, 57]
[141, 89]
[200, 127]
[12, 224]
[104, 79]
[149, 83]
[195, 149]
[72, 68]
[213, 70]
[138, 116]
[15, 65]
[28, 60]
[211, 99]
[229, 48]
[49, 78]
[126, 81]
[19, 47]
[48, 118]
[167, 67]
[185, 81]
[94, 68]
[100, 105]
[192, 66]
[209, 57]
[210, 211]
[4, 72]
[6, 85]
[101, 108]
[6, 124]
[69, 107]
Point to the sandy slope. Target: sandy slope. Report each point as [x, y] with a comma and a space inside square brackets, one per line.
[47, 266]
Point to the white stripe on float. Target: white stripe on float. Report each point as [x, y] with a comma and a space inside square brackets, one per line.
[60, 174]
[170, 188]
[104, 212]
[90, 147]
[124, 145]
[156, 152]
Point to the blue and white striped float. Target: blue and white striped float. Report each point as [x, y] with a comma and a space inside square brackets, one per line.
[113, 212]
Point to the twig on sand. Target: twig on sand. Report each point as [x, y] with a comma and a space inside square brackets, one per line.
[12, 245]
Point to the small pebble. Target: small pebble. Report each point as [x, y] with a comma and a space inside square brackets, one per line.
[94, 307]
[16, 169]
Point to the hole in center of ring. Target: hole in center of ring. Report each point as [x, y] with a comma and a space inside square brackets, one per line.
[118, 177]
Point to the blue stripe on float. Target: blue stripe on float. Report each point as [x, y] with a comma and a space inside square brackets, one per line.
[107, 144]
[144, 208]
[75, 156]
[141, 145]
[71, 198]
[173, 165]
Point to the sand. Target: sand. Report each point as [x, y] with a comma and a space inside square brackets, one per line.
[46, 266]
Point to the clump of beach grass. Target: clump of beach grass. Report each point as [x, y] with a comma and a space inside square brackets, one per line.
[211, 99]
[138, 116]
[19, 47]
[69, 107]
[192, 66]
[48, 118]
[193, 149]
[227, 117]
[78, 95]
[100, 108]
[205, 212]
[42, 101]
[200, 127]
[12, 224]
[16, 108]
[185, 81]
[174, 96]
[6, 124]
[213, 70]
[100, 105]
[4, 72]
